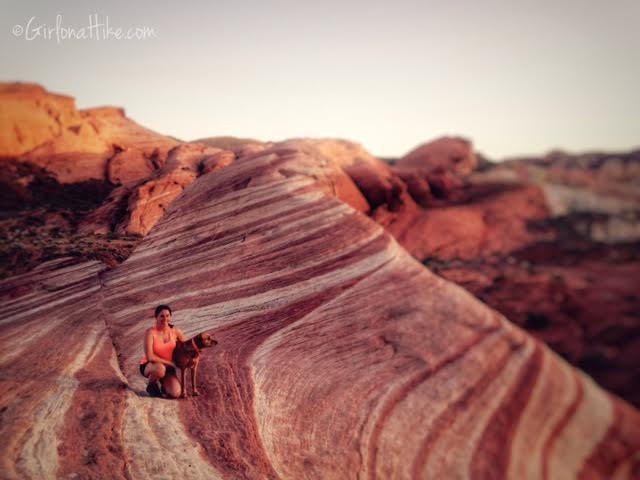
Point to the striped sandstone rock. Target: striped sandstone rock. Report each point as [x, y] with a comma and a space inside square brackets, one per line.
[340, 356]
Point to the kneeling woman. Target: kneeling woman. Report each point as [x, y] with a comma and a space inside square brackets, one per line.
[157, 364]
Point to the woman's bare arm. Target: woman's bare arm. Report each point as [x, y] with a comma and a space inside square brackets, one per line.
[180, 336]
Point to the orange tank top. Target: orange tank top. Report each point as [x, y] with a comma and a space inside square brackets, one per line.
[161, 349]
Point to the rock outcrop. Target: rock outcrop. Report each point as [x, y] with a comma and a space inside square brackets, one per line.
[446, 154]
[340, 355]
[149, 200]
[102, 177]
[47, 131]
[30, 117]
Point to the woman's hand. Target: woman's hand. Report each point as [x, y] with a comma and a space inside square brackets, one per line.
[165, 362]
[180, 336]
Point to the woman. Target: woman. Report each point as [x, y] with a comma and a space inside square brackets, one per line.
[157, 365]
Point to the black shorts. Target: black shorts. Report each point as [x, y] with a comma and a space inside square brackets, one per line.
[170, 370]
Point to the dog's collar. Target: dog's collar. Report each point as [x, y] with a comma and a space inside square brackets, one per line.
[193, 342]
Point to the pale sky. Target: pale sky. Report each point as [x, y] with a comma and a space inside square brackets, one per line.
[515, 77]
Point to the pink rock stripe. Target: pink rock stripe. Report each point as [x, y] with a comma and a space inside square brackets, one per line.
[491, 459]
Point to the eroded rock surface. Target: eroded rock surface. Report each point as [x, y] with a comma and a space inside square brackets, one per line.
[339, 354]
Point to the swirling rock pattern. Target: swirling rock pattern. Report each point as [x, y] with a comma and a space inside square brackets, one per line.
[340, 355]
[551, 243]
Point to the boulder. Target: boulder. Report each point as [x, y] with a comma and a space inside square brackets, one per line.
[452, 154]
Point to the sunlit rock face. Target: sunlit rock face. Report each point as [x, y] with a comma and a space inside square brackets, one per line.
[30, 116]
[339, 354]
[86, 183]
[149, 200]
[46, 130]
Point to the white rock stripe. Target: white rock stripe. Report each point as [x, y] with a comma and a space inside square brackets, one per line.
[39, 455]
[222, 309]
[552, 395]
[311, 224]
[163, 452]
[156, 444]
[473, 420]
[583, 433]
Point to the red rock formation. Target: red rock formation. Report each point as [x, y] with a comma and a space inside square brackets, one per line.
[526, 237]
[445, 154]
[129, 167]
[148, 202]
[486, 226]
[100, 171]
[44, 114]
[572, 279]
[74, 146]
[339, 355]
[583, 305]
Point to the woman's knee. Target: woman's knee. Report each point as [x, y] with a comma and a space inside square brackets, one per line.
[171, 386]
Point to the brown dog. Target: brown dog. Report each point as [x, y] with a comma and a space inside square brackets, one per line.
[187, 355]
